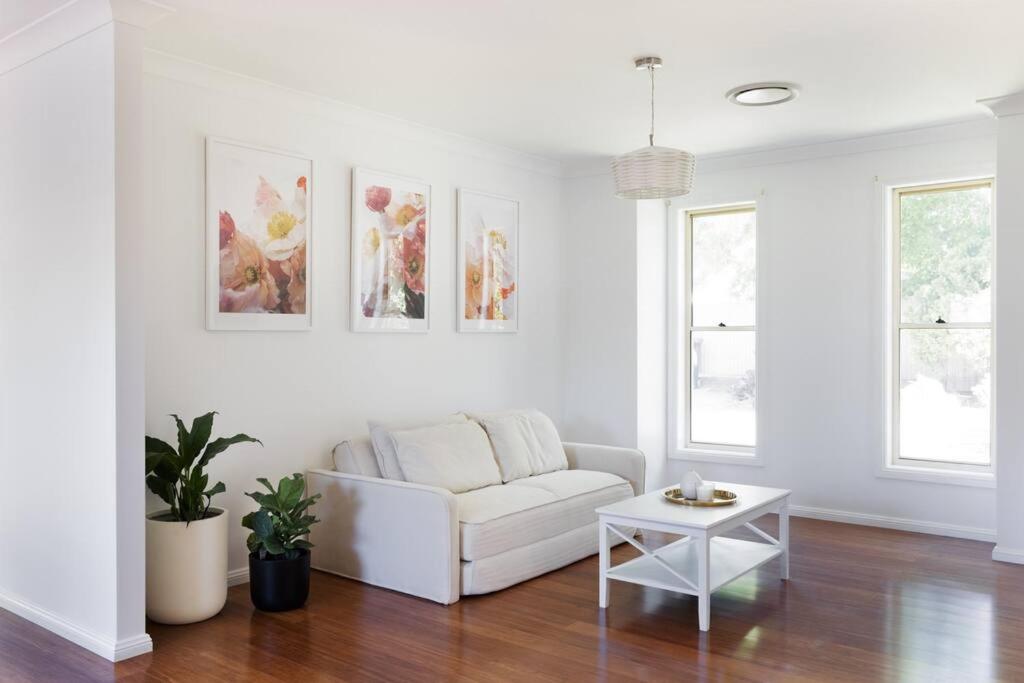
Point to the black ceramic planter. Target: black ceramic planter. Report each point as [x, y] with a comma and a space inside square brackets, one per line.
[279, 585]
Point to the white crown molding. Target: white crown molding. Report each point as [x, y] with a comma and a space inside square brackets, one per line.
[234, 84]
[712, 163]
[64, 24]
[140, 13]
[109, 649]
[1005, 105]
[72, 20]
[899, 523]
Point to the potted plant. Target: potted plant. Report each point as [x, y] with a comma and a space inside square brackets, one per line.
[187, 544]
[278, 557]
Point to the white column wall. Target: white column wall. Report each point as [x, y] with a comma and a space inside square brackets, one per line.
[71, 324]
[1009, 384]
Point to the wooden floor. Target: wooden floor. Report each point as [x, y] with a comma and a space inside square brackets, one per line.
[863, 604]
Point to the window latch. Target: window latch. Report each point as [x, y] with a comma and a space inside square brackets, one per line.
[721, 324]
[940, 321]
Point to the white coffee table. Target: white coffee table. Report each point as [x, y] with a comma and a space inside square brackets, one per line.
[700, 563]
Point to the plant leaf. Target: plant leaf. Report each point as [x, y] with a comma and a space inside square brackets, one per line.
[220, 445]
[300, 543]
[284, 492]
[161, 488]
[295, 494]
[262, 525]
[156, 451]
[183, 439]
[200, 435]
[215, 489]
[273, 546]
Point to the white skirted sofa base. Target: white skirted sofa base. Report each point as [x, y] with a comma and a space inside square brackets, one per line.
[428, 542]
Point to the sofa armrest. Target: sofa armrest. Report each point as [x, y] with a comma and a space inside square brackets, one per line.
[628, 463]
[393, 534]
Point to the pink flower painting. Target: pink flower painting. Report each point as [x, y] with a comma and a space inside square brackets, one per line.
[263, 262]
[390, 227]
[488, 233]
[258, 224]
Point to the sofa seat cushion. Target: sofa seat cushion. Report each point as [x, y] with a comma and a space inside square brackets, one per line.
[498, 518]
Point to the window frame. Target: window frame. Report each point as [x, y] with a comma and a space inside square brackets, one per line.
[681, 445]
[911, 468]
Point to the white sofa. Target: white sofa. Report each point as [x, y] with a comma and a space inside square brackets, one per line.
[427, 541]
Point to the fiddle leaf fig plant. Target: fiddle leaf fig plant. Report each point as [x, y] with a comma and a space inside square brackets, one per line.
[282, 519]
[177, 476]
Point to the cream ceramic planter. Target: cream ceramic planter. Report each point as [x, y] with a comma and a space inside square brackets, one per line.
[186, 568]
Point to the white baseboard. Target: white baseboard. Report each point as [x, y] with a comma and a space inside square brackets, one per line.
[112, 650]
[917, 526]
[1001, 554]
[238, 576]
[127, 648]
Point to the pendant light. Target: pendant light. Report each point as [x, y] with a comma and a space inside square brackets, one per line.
[652, 172]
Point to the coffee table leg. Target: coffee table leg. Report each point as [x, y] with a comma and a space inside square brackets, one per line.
[704, 582]
[784, 538]
[602, 530]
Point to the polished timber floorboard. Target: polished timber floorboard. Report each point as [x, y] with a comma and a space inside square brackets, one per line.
[863, 604]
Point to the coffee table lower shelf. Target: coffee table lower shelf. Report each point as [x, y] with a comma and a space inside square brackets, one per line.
[730, 559]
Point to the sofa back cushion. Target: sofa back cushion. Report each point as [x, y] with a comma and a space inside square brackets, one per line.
[384, 445]
[457, 457]
[356, 456]
[525, 442]
[515, 444]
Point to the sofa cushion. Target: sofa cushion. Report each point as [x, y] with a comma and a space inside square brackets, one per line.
[356, 456]
[515, 445]
[570, 483]
[457, 457]
[499, 518]
[547, 454]
[525, 562]
[384, 445]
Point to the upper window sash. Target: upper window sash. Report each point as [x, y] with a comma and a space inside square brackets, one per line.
[721, 272]
[948, 230]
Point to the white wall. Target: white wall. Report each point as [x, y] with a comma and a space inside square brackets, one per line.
[821, 305]
[302, 392]
[600, 355]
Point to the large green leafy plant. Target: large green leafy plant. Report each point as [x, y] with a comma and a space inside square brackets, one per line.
[282, 518]
[177, 476]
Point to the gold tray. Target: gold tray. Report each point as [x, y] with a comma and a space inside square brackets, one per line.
[722, 497]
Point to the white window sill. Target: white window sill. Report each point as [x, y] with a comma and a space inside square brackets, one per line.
[749, 458]
[985, 480]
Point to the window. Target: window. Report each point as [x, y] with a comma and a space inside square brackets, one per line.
[715, 386]
[941, 329]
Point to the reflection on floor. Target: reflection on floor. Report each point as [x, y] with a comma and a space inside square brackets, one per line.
[863, 604]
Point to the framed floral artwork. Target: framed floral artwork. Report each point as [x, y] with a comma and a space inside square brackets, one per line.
[390, 253]
[258, 230]
[488, 263]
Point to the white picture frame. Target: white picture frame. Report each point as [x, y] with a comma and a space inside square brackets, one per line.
[245, 182]
[479, 214]
[390, 244]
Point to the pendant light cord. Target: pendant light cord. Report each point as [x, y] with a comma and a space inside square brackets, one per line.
[650, 70]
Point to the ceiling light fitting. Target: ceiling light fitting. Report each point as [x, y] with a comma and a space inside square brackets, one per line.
[762, 94]
[652, 172]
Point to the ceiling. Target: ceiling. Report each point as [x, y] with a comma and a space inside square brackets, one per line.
[555, 78]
